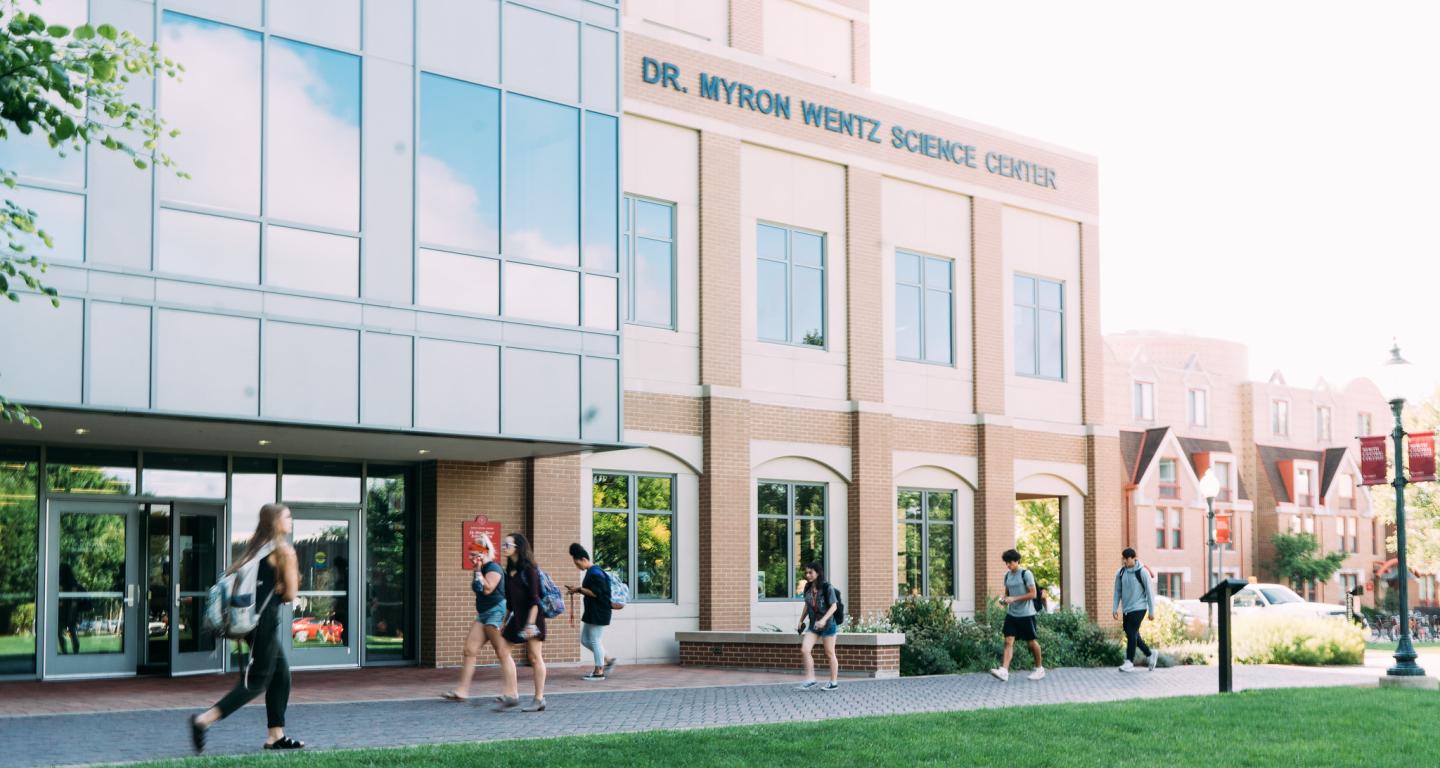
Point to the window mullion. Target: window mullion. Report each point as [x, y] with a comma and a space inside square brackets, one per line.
[789, 294]
[924, 531]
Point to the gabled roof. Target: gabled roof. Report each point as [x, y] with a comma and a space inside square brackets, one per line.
[1194, 445]
[1330, 468]
[1270, 458]
[1146, 445]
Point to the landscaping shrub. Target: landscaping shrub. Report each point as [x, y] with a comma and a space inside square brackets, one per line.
[922, 613]
[1303, 640]
[938, 643]
[1167, 629]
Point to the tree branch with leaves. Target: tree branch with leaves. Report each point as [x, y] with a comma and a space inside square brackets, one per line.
[71, 87]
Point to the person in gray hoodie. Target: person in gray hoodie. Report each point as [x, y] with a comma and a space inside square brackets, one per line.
[1135, 595]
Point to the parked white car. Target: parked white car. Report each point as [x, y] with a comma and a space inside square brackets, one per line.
[1278, 598]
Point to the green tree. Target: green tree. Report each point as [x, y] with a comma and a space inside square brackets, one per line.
[71, 88]
[1422, 500]
[1296, 560]
[1037, 539]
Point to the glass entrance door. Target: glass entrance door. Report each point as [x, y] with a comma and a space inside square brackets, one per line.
[322, 630]
[196, 564]
[92, 609]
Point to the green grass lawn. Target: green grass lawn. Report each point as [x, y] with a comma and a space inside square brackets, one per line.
[1430, 646]
[1321, 727]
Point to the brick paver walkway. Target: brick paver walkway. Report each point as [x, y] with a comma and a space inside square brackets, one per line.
[149, 734]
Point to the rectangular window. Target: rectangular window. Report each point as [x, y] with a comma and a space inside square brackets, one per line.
[1229, 546]
[791, 532]
[633, 530]
[1374, 537]
[79, 470]
[1039, 327]
[1144, 401]
[390, 568]
[1169, 487]
[924, 297]
[19, 558]
[1352, 532]
[790, 275]
[1175, 518]
[1345, 490]
[1168, 585]
[1222, 473]
[649, 245]
[926, 538]
[1279, 418]
[542, 182]
[1199, 407]
[1162, 539]
[457, 185]
[1348, 583]
[1322, 423]
[1305, 487]
[1362, 424]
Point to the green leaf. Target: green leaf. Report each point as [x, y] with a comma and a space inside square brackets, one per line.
[106, 31]
[84, 32]
[57, 30]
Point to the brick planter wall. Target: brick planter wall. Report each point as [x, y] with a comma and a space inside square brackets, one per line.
[860, 655]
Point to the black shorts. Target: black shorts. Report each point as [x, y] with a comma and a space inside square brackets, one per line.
[1020, 627]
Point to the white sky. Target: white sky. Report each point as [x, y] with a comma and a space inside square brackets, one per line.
[1268, 170]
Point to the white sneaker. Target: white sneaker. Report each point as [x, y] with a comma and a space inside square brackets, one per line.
[1038, 674]
[1127, 666]
[1003, 675]
[1154, 660]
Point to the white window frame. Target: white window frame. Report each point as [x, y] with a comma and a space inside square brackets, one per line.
[1142, 398]
[1199, 417]
[631, 246]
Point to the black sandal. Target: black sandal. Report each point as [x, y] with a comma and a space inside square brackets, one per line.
[285, 742]
[197, 734]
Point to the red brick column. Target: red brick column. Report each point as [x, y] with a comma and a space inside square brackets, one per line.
[554, 525]
[1104, 526]
[451, 493]
[994, 509]
[726, 587]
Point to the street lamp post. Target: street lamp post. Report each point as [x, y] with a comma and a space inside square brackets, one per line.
[1210, 488]
[1395, 371]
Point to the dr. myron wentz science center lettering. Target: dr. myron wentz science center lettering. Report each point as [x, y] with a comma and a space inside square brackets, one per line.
[861, 127]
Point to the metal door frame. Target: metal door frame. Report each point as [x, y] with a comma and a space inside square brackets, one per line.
[194, 662]
[125, 664]
[333, 657]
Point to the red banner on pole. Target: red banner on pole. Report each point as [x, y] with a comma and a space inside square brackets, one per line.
[1222, 528]
[478, 535]
[1372, 460]
[1421, 451]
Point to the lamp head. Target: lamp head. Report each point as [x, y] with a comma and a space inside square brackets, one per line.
[1394, 378]
[1210, 485]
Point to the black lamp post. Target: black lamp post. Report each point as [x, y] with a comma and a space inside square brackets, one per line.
[1210, 488]
[1395, 369]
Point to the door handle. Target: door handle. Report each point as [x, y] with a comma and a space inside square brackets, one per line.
[177, 597]
[131, 592]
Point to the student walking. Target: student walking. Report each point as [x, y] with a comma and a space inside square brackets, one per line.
[1019, 605]
[525, 624]
[489, 587]
[1135, 596]
[821, 603]
[595, 591]
[268, 670]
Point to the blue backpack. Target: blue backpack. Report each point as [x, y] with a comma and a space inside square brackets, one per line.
[619, 593]
[552, 602]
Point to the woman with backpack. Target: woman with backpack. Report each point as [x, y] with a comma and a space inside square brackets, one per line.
[489, 588]
[525, 624]
[268, 670]
[821, 602]
[595, 588]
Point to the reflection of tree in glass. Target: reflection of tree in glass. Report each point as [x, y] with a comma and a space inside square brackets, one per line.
[18, 549]
[385, 528]
[1037, 539]
[68, 478]
[773, 579]
[652, 551]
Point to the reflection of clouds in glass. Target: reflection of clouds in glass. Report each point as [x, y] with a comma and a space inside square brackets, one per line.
[313, 116]
[312, 261]
[542, 189]
[60, 214]
[459, 167]
[184, 484]
[652, 281]
[216, 107]
[31, 154]
[541, 293]
[208, 246]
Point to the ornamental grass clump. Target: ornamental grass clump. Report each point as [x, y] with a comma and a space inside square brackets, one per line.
[1300, 640]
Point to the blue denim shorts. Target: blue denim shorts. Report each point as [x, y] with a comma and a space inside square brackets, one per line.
[830, 630]
[493, 617]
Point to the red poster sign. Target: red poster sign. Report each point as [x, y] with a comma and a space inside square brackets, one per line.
[480, 534]
[1422, 457]
[1222, 529]
[1372, 460]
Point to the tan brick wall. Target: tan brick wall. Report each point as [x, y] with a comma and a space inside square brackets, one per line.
[871, 512]
[936, 436]
[1092, 345]
[1042, 446]
[988, 313]
[864, 313]
[803, 425]
[453, 492]
[725, 519]
[555, 524]
[720, 258]
[662, 413]
[994, 508]
[1104, 520]
[856, 660]
[1076, 179]
[747, 25]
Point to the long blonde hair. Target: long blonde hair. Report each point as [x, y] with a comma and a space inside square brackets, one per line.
[266, 531]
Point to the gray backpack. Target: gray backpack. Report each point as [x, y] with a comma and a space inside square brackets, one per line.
[230, 609]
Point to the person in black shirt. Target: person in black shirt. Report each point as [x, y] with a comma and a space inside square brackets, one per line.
[595, 586]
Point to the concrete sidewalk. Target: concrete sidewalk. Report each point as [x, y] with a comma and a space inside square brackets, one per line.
[66, 739]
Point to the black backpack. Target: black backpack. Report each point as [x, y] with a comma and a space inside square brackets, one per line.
[1039, 600]
[838, 617]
